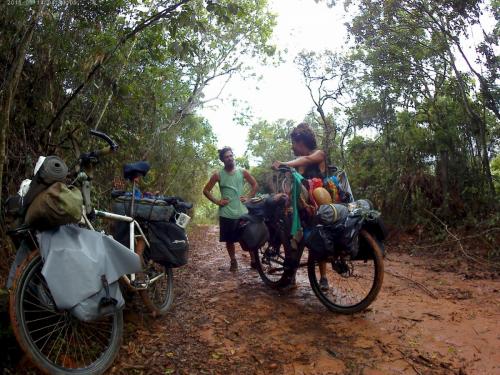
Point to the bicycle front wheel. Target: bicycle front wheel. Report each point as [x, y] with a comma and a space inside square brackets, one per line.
[270, 259]
[55, 341]
[159, 293]
[353, 284]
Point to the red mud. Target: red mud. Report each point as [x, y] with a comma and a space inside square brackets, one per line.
[423, 322]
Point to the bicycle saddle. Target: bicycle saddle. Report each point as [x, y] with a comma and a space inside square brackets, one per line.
[133, 170]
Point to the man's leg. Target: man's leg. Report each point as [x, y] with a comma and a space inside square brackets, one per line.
[323, 281]
[231, 252]
[227, 227]
[253, 261]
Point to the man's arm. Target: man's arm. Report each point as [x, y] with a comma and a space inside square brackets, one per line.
[252, 182]
[207, 191]
[302, 161]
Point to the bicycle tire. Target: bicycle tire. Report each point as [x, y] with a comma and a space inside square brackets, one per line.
[270, 265]
[333, 297]
[31, 304]
[159, 295]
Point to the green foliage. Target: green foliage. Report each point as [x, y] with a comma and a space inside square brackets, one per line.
[144, 95]
[434, 127]
[495, 170]
[268, 142]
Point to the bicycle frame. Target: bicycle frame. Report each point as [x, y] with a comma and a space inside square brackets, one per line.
[145, 279]
[85, 186]
[132, 225]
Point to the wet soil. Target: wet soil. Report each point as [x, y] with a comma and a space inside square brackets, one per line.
[425, 321]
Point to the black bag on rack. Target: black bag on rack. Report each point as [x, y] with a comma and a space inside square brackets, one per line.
[325, 240]
[144, 208]
[168, 244]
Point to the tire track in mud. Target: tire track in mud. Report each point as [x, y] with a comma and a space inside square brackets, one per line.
[231, 323]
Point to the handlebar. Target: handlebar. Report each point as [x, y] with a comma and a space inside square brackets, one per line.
[285, 168]
[112, 144]
[92, 157]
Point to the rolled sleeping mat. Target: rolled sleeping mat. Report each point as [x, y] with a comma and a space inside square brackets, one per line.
[329, 214]
[53, 169]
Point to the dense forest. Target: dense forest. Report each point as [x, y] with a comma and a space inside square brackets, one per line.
[406, 109]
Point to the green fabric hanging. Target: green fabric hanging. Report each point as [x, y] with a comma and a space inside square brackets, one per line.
[297, 180]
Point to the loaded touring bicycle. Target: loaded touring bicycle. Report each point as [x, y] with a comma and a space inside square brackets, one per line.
[346, 239]
[65, 298]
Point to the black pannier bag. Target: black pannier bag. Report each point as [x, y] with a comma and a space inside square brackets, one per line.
[325, 240]
[254, 234]
[168, 244]
[375, 226]
[320, 241]
[149, 210]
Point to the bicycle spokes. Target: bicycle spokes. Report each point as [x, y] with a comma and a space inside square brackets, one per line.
[56, 338]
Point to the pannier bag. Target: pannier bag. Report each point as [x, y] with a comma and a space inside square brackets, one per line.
[257, 206]
[342, 236]
[57, 205]
[319, 240]
[375, 226]
[144, 209]
[254, 234]
[168, 244]
[266, 206]
[82, 268]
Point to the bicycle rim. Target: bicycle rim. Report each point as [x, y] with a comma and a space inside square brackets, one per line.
[352, 284]
[159, 294]
[270, 264]
[57, 342]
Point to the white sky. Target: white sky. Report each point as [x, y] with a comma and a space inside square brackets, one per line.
[281, 93]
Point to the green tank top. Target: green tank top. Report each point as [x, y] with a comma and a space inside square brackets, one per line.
[231, 187]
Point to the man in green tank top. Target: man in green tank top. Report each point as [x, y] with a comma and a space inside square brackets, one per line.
[231, 181]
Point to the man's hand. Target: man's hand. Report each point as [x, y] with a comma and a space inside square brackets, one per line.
[243, 199]
[223, 202]
[276, 165]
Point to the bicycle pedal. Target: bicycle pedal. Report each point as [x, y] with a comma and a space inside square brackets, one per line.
[139, 285]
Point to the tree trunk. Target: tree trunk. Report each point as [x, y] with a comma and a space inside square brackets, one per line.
[11, 81]
[328, 137]
[440, 26]
[443, 177]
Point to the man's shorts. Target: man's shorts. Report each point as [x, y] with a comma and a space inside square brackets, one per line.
[228, 229]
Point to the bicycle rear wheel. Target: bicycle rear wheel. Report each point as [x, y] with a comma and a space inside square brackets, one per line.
[353, 284]
[159, 294]
[55, 341]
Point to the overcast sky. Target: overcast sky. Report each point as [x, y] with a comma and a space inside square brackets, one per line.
[281, 93]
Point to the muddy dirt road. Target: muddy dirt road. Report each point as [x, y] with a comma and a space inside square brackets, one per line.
[231, 323]
[423, 322]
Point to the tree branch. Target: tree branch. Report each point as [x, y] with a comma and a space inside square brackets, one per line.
[166, 13]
